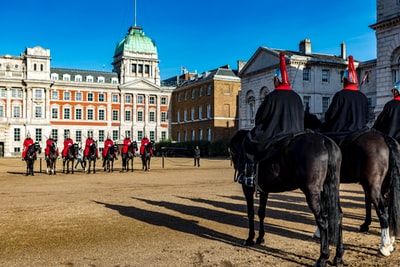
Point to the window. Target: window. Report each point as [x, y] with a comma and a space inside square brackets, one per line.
[163, 116]
[140, 68]
[66, 77]
[90, 97]
[78, 96]
[101, 115]
[152, 100]
[67, 96]
[200, 134]
[201, 91]
[192, 114]
[54, 95]
[140, 99]
[185, 95]
[163, 135]
[16, 111]
[178, 116]
[185, 115]
[16, 93]
[208, 111]
[67, 113]
[134, 68]
[38, 94]
[128, 99]
[78, 136]
[193, 135]
[163, 100]
[2, 92]
[115, 98]
[89, 79]
[100, 79]
[101, 98]
[325, 104]
[17, 134]
[115, 134]
[152, 116]
[200, 112]
[34, 67]
[127, 115]
[193, 93]
[115, 115]
[1, 111]
[140, 116]
[325, 76]
[38, 112]
[209, 135]
[38, 134]
[152, 135]
[90, 114]
[306, 74]
[78, 78]
[54, 113]
[306, 100]
[208, 89]
[140, 135]
[54, 76]
[101, 135]
[78, 114]
[54, 133]
[178, 97]
[114, 80]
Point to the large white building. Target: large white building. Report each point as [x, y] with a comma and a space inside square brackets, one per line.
[39, 99]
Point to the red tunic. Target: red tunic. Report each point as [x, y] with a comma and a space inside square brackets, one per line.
[27, 143]
[67, 144]
[127, 143]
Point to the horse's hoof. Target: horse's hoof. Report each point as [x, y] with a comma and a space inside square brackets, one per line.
[248, 242]
[260, 241]
[385, 250]
[364, 228]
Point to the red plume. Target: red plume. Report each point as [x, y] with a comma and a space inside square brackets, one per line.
[285, 84]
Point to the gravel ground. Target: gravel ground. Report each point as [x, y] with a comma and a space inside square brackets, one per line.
[176, 215]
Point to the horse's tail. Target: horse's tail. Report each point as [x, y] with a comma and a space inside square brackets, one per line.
[394, 186]
[330, 195]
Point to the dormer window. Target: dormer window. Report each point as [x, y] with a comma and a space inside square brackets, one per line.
[66, 77]
[54, 76]
[100, 79]
[78, 78]
[114, 80]
[89, 79]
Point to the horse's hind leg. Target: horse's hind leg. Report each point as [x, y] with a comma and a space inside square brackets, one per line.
[383, 214]
[367, 222]
[249, 196]
[261, 215]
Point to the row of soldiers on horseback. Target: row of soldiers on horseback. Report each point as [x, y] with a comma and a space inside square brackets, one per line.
[280, 154]
[128, 149]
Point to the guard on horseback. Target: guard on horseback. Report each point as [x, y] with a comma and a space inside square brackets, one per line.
[27, 142]
[89, 142]
[145, 141]
[49, 143]
[107, 144]
[67, 144]
[127, 143]
[388, 120]
[280, 114]
[348, 111]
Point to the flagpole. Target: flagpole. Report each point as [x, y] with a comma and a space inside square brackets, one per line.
[134, 13]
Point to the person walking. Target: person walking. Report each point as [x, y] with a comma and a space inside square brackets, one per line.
[80, 159]
[197, 156]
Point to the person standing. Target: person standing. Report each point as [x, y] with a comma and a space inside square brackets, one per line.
[348, 111]
[197, 156]
[27, 143]
[281, 113]
[80, 159]
[388, 121]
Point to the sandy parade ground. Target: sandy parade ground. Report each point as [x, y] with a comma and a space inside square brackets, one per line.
[173, 215]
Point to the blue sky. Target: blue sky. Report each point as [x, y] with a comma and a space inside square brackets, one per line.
[199, 35]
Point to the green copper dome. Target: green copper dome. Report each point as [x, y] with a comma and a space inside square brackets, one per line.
[136, 41]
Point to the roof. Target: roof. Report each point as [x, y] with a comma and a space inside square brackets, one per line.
[84, 73]
[136, 41]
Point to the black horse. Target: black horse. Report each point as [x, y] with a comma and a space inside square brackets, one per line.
[311, 162]
[31, 156]
[129, 156]
[108, 160]
[372, 159]
[91, 158]
[146, 156]
[72, 154]
[51, 159]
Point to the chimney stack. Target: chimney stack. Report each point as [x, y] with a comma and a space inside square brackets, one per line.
[343, 50]
[305, 47]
